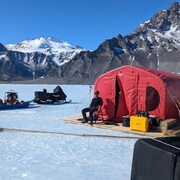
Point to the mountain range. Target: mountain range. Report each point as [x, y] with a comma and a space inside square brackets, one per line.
[34, 58]
[154, 44]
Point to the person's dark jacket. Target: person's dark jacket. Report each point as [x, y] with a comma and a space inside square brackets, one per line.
[96, 102]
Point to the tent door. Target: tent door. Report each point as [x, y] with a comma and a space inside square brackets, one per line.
[120, 104]
[117, 97]
[129, 84]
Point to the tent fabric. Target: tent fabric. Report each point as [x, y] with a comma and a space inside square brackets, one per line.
[127, 89]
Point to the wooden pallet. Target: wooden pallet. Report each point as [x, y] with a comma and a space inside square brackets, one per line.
[118, 127]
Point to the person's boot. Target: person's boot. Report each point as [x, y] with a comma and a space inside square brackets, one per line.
[84, 120]
[91, 122]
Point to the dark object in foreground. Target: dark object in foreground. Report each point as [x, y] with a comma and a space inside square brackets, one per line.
[156, 159]
[43, 97]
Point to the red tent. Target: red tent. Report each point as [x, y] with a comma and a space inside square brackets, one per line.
[127, 89]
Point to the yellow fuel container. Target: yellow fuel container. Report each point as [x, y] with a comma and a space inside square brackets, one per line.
[139, 123]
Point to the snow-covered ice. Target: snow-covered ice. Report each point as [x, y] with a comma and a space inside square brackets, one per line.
[49, 156]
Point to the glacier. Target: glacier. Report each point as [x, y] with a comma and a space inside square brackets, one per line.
[52, 156]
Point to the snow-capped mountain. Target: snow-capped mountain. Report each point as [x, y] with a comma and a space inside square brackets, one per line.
[44, 45]
[165, 25]
[160, 36]
[154, 44]
[61, 51]
[36, 57]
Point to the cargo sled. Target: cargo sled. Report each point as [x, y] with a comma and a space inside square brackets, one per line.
[14, 106]
[11, 101]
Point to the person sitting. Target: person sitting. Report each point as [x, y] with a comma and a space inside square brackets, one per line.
[9, 99]
[12, 98]
[95, 104]
[15, 99]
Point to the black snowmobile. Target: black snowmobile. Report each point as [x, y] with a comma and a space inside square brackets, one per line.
[57, 97]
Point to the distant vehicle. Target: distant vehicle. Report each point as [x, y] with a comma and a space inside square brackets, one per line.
[11, 101]
[57, 97]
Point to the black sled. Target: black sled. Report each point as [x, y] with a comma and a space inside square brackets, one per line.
[57, 97]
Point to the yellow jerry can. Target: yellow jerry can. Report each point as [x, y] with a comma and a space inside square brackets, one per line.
[139, 123]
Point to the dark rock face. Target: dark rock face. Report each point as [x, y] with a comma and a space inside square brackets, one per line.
[154, 44]
[11, 68]
[35, 62]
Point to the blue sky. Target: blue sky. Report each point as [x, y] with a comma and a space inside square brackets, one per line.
[80, 22]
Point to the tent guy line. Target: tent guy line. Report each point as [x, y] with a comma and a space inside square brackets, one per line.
[69, 134]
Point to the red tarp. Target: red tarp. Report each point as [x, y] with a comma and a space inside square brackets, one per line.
[127, 89]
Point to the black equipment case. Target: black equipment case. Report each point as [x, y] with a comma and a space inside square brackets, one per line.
[156, 159]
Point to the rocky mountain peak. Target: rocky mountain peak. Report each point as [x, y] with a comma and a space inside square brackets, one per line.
[154, 44]
[163, 21]
[174, 8]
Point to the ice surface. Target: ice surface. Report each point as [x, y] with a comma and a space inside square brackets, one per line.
[49, 156]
